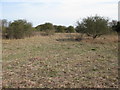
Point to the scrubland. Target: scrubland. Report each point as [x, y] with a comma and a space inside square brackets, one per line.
[60, 61]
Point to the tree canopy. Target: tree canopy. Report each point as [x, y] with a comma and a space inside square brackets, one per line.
[93, 26]
[19, 29]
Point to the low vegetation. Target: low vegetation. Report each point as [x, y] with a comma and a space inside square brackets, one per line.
[60, 62]
[94, 26]
[56, 56]
[116, 27]
[17, 29]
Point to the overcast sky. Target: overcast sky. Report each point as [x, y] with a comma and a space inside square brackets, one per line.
[60, 12]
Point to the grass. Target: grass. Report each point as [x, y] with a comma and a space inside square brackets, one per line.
[56, 62]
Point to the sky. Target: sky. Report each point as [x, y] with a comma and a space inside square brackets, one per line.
[119, 11]
[59, 12]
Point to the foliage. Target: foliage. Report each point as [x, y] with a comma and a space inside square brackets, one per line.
[19, 29]
[70, 29]
[60, 28]
[80, 28]
[111, 25]
[44, 27]
[48, 28]
[93, 26]
[116, 27]
[4, 26]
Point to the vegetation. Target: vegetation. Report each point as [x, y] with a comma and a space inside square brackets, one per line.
[116, 27]
[5, 25]
[45, 27]
[70, 29]
[57, 28]
[43, 62]
[93, 26]
[17, 29]
[60, 29]
[59, 61]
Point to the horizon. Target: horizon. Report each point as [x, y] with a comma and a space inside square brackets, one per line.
[60, 12]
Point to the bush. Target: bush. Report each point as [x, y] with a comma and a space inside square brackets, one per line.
[60, 28]
[116, 27]
[48, 28]
[4, 27]
[70, 29]
[19, 29]
[45, 27]
[93, 26]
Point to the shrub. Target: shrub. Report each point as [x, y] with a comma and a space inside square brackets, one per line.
[70, 29]
[44, 27]
[93, 26]
[4, 27]
[19, 29]
[60, 28]
[48, 28]
[116, 27]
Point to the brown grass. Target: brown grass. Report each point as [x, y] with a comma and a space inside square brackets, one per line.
[59, 61]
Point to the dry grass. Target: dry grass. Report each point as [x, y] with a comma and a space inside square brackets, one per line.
[56, 61]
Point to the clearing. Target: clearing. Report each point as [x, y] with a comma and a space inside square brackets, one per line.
[56, 61]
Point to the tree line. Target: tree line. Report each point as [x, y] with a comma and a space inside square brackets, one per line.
[93, 26]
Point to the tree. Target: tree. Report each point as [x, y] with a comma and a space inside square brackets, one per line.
[44, 27]
[48, 28]
[116, 27]
[60, 28]
[70, 29]
[39, 28]
[4, 26]
[19, 29]
[111, 25]
[93, 26]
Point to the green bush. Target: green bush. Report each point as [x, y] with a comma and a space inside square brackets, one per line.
[70, 29]
[47, 28]
[93, 26]
[44, 27]
[19, 29]
[60, 29]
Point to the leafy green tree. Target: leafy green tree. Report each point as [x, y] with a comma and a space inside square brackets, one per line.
[44, 27]
[60, 28]
[19, 29]
[80, 28]
[70, 29]
[48, 28]
[93, 26]
[39, 28]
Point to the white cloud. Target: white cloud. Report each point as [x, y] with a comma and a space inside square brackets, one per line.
[57, 0]
[0, 10]
[64, 12]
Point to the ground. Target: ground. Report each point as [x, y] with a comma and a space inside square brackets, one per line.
[58, 61]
